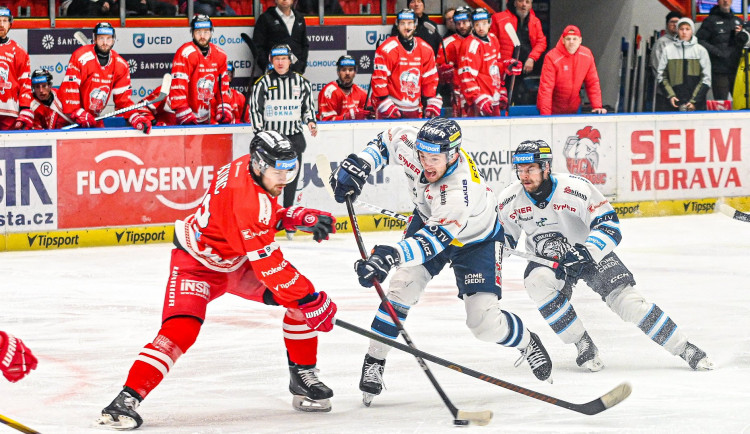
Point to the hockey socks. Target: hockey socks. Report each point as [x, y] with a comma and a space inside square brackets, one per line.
[562, 318]
[157, 358]
[301, 341]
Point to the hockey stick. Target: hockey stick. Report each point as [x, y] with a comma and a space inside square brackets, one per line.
[604, 402]
[460, 417]
[81, 38]
[17, 426]
[254, 54]
[166, 83]
[733, 213]
[516, 51]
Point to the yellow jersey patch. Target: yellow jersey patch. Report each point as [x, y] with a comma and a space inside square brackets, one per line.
[472, 168]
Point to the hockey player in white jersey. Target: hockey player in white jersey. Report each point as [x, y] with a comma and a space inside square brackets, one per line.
[455, 221]
[567, 219]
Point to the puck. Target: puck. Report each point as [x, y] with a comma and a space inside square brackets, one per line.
[460, 422]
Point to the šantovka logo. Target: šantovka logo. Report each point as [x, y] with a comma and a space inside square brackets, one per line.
[143, 179]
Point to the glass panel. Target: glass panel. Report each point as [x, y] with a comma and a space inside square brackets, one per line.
[28, 8]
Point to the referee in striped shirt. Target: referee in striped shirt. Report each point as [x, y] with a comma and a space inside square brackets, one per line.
[282, 101]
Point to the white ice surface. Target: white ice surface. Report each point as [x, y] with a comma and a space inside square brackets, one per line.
[86, 313]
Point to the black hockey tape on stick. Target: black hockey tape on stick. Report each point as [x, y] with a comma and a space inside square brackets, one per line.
[733, 213]
[166, 83]
[250, 44]
[604, 402]
[17, 425]
[477, 417]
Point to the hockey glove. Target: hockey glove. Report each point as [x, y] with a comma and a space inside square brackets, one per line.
[573, 263]
[319, 311]
[484, 104]
[388, 110]
[84, 119]
[349, 178]
[357, 114]
[25, 120]
[446, 72]
[16, 361]
[186, 117]
[224, 114]
[376, 267]
[319, 223]
[434, 105]
[140, 122]
[503, 103]
[512, 67]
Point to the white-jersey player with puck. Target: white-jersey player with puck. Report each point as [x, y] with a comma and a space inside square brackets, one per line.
[567, 219]
[454, 223]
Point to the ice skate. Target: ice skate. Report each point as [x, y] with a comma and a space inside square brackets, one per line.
[121, 414]
[588, 354]
[537, 357]
[371, 383]
[310, 394]
[290, 235]
[696, 358]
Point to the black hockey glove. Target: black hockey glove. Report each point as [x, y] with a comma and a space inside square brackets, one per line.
[573, 263]
[377, 266]
[349, 178]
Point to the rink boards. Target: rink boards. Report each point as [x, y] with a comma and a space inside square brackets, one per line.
[116, 186]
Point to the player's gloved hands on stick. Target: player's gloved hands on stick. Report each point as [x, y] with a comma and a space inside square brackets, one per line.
[319, 223]
[349, 178]
[140, 122]
[432, 109]
[574, 262]
[25, 120]
[16, 361]
[388, 109]
[503, 101]
[186, 117]
[513, 66]
[381, 260]
[484, 104]
[84, 119]
[319, 311]
[224, 114]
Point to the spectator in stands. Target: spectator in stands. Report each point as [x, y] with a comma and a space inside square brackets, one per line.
[281, 25]
[236, 99]
[343, 100]
[211, 8]
[425, 27]
[404, 80]
[46, 106]
[282, 101]
[15, 83]
[684, 70]
[92, 8]
[450, 26]
[448, 59]
[669, 37]
[567, 67]
[521, 16]
[96, 72]
[482, 71]
[717, 35]
[150, 7]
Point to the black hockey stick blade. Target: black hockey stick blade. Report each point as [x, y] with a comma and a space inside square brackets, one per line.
[17, 425]
[598, 405]
[250, 44]
[733, 213]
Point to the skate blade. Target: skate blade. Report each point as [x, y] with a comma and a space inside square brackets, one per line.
[124, 423]
[303, 403]
[593, 365]
[705, 364]
[367, 398]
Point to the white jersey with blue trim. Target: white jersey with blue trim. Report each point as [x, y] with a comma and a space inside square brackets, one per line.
[460, 208]
[575, 212]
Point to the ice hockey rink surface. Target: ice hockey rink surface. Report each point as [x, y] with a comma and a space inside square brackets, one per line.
[86, 313]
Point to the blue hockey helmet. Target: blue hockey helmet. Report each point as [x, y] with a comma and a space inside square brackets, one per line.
[439, 136]
[533, 151]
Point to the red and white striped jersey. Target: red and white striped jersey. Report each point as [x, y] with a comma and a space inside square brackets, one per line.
[336, 105]
[194, 78]
[15, 79]
[404, 76]
[479, 68]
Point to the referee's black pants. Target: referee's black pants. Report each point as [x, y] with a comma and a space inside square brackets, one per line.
[299, 145]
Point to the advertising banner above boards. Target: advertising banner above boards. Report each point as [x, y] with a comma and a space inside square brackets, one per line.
[113, 186]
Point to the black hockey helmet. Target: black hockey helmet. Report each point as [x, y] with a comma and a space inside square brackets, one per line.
[480, 14]
[533, 151]
[346, 60]
[41, 76]
[5, 12]
[282, 50]
[104, 29]
[462, 13]
[439, 136]
[271, 149]
[201, 21]
[406, 14]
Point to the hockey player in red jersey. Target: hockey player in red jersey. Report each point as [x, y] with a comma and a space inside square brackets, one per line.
[16, 360]
[96, 72]
[404, 80]
[199, 76]
[449, 55]
[481, 70]
[46, 106]
[15, 86]
[228, 245]
[236, 99]
[343, 100]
